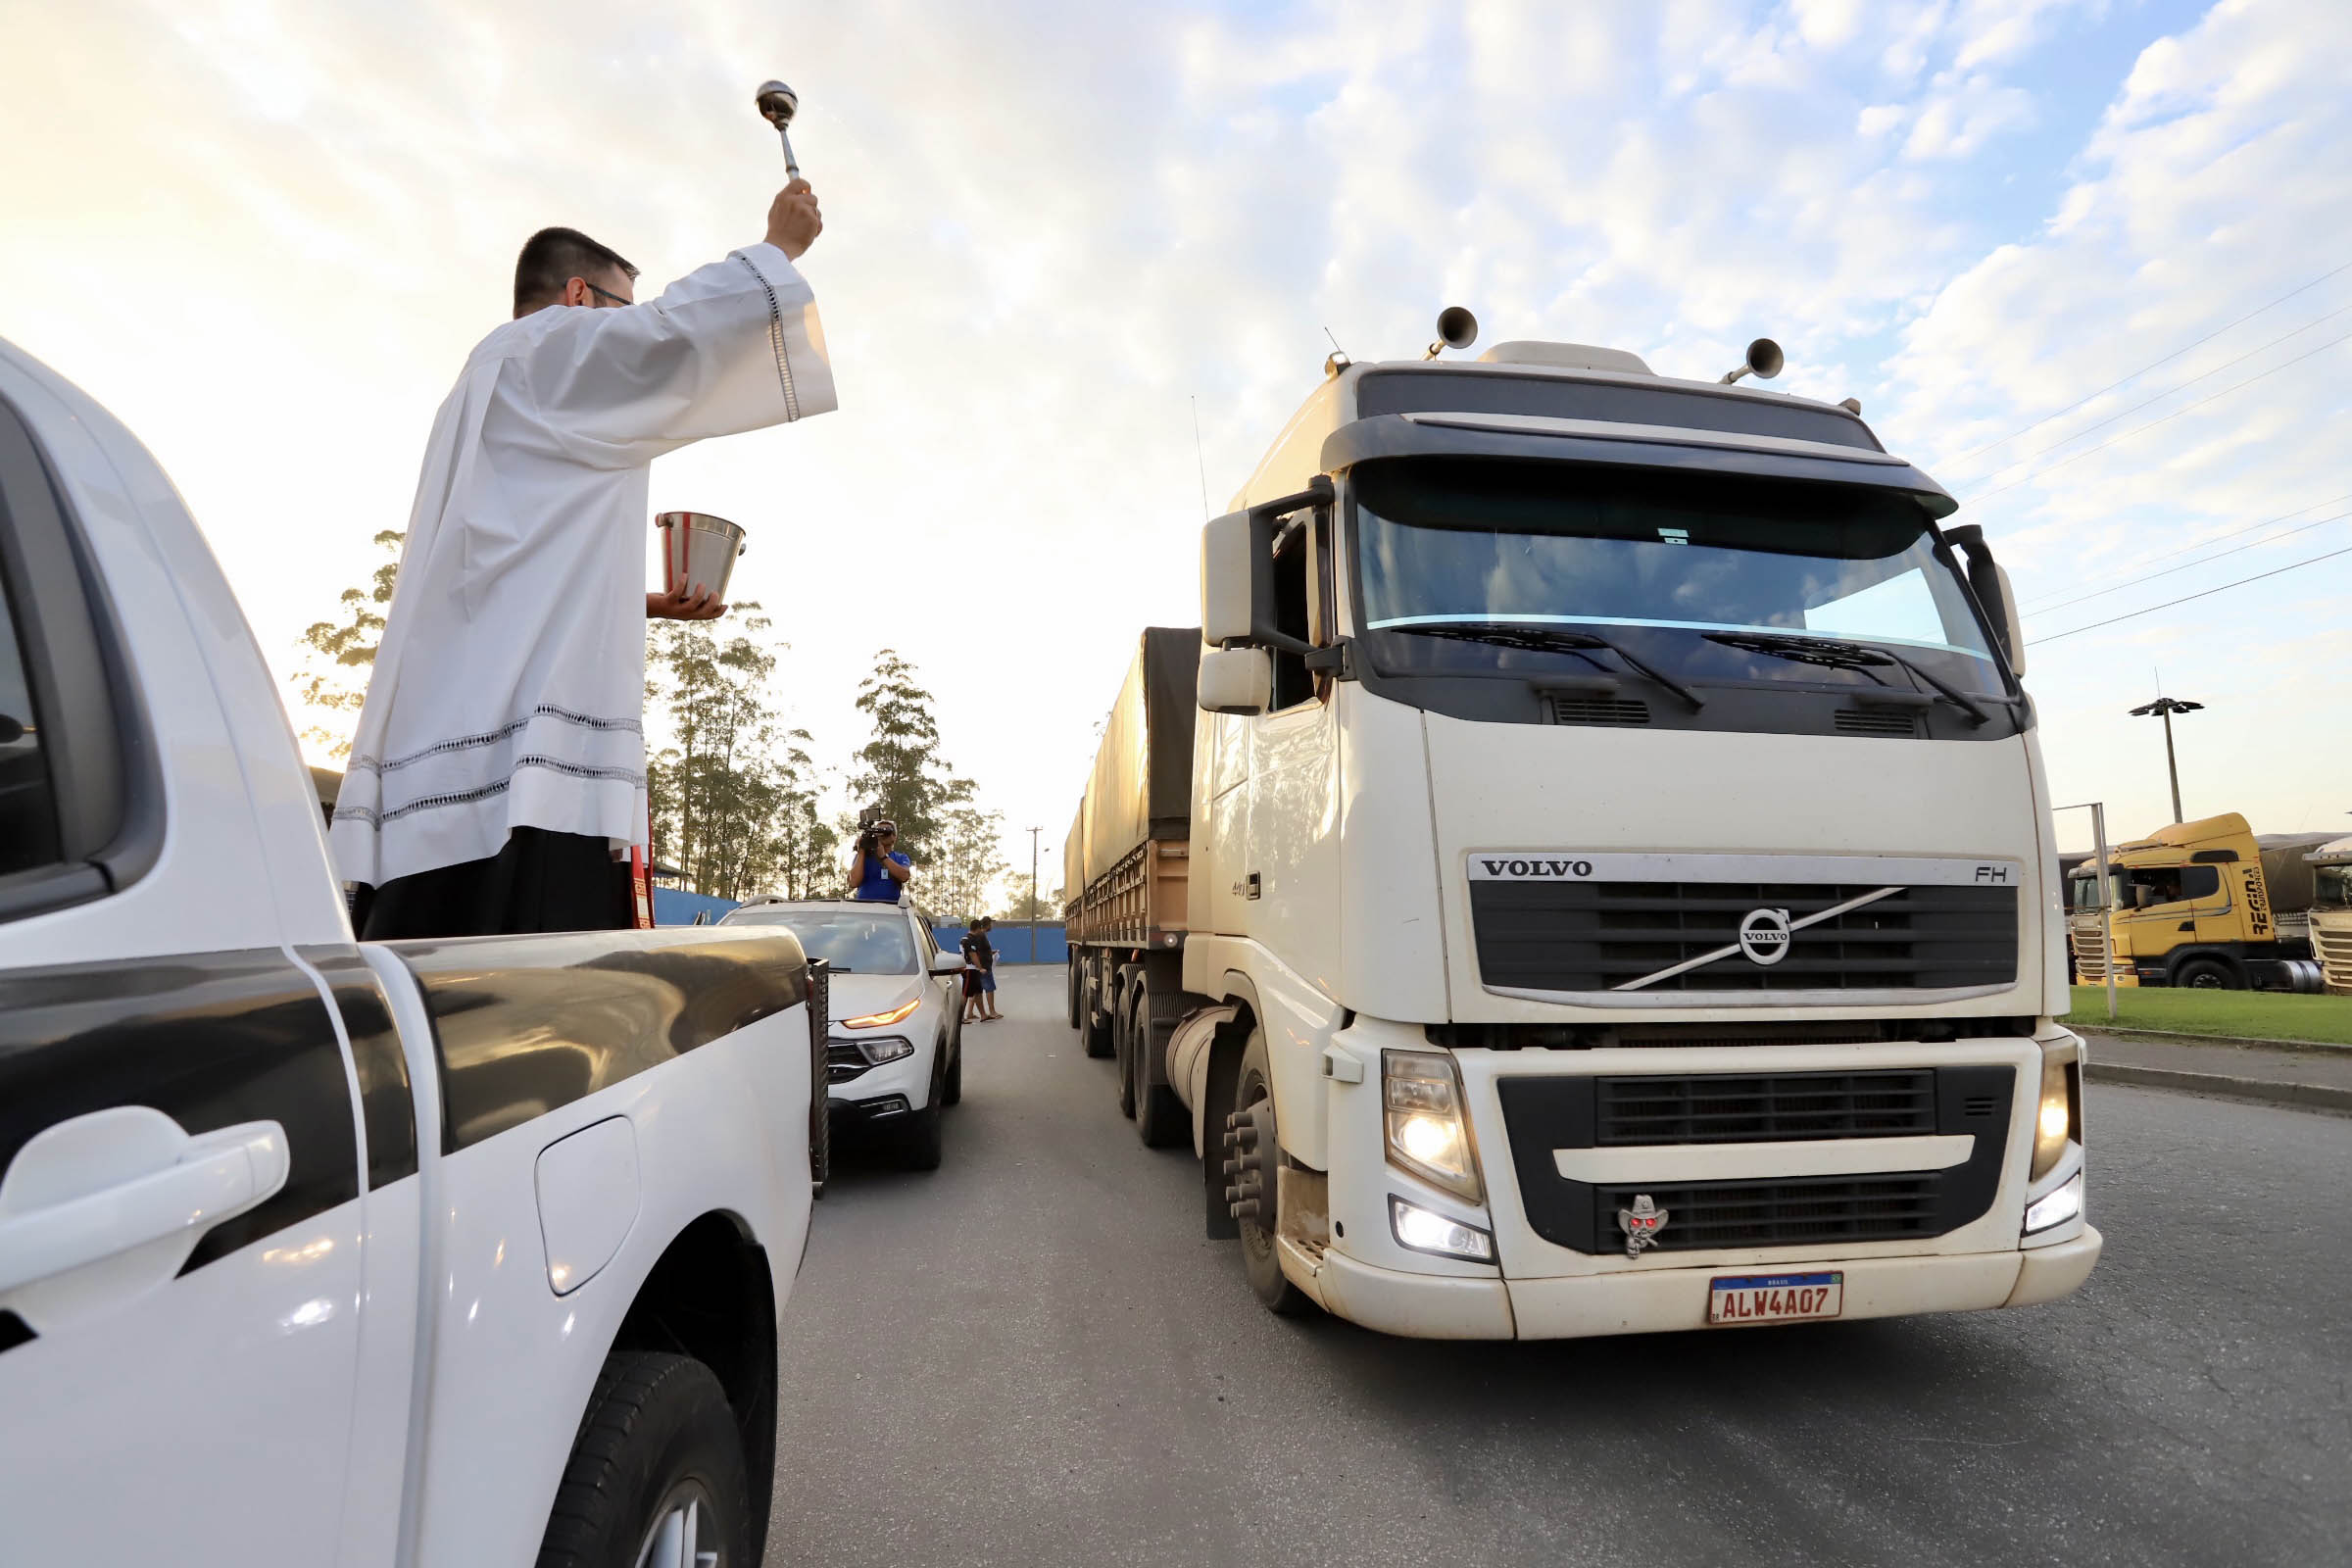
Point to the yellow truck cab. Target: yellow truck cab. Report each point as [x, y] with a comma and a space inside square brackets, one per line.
[2203, 904]
[2331, 913]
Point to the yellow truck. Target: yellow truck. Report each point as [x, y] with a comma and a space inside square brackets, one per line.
[2205, 903]
[2331, 913]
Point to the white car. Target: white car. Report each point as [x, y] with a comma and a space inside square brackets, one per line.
[896, 1053]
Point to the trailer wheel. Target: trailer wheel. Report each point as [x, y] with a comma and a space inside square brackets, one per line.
[657, 1469]
[1125, 1009]
[2208, 974]
[1254, 1154]
[1161, 1119]
[1076, 990]
[1095, 1028]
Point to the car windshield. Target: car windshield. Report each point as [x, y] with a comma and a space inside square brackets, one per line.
[1471, 563]
[849, 940]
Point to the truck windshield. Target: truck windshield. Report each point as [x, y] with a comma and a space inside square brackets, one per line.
[2331, 887]
[854, 943]
[1657, 562]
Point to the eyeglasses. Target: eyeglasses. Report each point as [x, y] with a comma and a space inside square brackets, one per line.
[606, 294]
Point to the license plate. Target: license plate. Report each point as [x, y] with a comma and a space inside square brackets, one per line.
[1774, 1297]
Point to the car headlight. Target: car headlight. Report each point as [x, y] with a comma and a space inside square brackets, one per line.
[1427, 1133]
[2058, 1119]
[884, 1048]
[875, 1020]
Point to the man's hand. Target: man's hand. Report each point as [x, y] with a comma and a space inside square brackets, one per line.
[686, 603]
[793, 221]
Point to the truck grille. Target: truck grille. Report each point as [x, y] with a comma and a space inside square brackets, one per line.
[1544, 1115]
[1795, 1212]
[2333, 945]
[2090, 954]
[1598, 936]
[1778, 1107]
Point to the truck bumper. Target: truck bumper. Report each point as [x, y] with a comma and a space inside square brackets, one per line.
[1650, 1301]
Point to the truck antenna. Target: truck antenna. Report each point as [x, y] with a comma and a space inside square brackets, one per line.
[1198, 458]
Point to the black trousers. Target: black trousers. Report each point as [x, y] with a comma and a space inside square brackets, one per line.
[539, 881]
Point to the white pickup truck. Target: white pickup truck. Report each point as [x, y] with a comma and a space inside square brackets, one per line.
[317, 1252]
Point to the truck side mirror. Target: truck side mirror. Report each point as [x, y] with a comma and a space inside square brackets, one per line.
[1989, 582]
[1236, 680]
[1230, 568]
[1237, 571]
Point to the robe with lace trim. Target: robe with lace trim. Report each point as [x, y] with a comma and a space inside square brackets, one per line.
[508, 689]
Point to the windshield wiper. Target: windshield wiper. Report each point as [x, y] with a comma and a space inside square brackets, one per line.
[1832, 652]
[1547, 640]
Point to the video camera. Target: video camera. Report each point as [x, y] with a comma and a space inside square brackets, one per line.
[871, 825]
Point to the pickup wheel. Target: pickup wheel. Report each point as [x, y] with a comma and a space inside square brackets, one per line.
[1254, 1148]
[657, 1472]
[918, 1134]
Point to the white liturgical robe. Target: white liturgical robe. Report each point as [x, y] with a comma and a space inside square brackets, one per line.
[508, 689]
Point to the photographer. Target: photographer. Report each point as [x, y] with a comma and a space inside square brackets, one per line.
[878, 871]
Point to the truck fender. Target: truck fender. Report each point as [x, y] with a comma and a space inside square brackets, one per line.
[1188, 1062]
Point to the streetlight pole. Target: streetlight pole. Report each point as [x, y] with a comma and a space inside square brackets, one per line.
[2166, 708]
[1033, 833]
[2099, 839]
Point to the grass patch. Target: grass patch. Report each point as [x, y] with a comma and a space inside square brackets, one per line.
[2248, 1014]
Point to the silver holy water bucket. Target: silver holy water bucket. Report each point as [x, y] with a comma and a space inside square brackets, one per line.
[697, 551]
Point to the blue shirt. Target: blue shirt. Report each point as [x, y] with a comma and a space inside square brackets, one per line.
[878, 884]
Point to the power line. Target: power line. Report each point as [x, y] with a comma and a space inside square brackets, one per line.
[2190, 566]
[2040, 601]
[2145, 368]
[2169, 391]
[2186, 598]
[2161, 420]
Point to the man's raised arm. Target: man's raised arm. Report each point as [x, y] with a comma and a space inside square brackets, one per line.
[732, 345]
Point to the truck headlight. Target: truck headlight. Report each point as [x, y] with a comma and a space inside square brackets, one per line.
[1421, 1230]
[1427, 1132]
[2058, 1119]
[2056, 1208]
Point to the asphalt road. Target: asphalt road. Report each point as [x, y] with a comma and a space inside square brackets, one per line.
[1032, 1356]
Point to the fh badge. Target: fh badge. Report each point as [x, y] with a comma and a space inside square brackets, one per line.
[1642, 1224]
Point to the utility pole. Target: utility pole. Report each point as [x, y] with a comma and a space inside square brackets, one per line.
[1033, 833]
[2165, 707]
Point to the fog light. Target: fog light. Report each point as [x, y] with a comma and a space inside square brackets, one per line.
[1421, 1230]
[2057, 1208]
[1426, 1131]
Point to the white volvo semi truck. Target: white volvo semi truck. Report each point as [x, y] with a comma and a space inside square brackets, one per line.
[1621, 891]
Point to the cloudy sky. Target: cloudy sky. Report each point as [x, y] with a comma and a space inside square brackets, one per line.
[2086, 260]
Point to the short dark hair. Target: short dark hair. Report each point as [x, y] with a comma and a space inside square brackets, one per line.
[553, 258]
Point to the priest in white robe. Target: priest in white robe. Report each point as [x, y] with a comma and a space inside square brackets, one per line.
[497, 771]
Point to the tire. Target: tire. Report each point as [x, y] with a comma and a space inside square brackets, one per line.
[1095, 1028]
[1253, 1097]
[2208, 974]
[1076, 989]
[951, 1093]
[918, 1135]
[1161, 1119]
[657, 1433]
[1124, 1037]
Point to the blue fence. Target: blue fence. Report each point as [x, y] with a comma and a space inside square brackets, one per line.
[676, 906]
[1013, 941]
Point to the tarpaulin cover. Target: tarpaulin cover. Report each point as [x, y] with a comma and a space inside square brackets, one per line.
[1142, 785]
